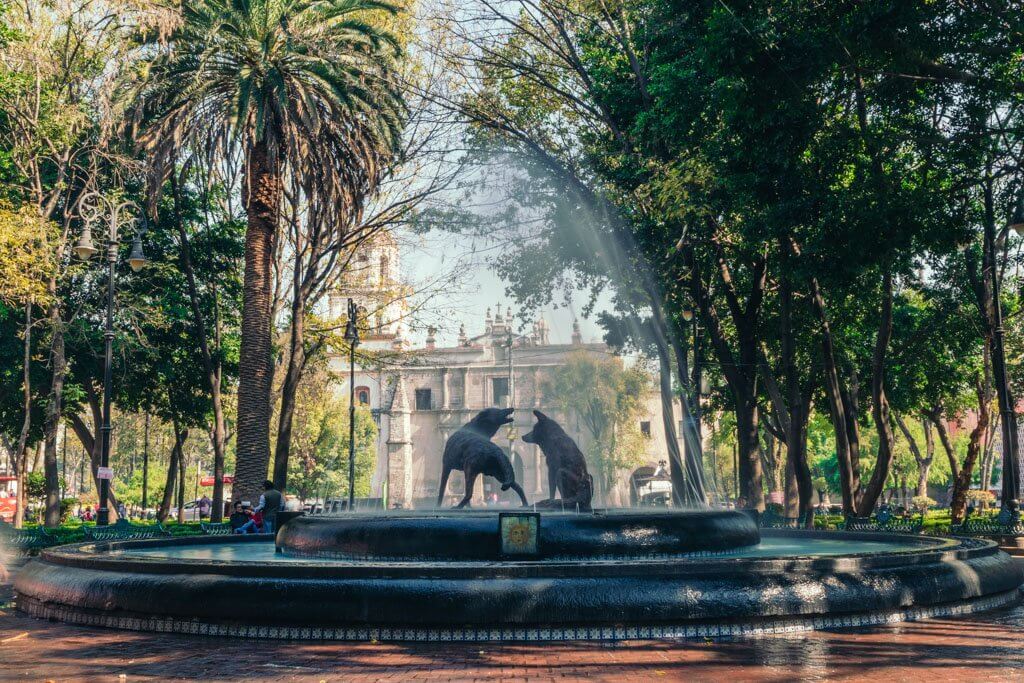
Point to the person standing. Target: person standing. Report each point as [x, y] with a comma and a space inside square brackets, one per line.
[205, 504]
[271, 502]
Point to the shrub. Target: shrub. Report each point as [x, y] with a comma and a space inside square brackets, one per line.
[981, 497]
[66, 506]
[922, 503]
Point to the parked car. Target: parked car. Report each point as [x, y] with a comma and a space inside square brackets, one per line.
[191, 512]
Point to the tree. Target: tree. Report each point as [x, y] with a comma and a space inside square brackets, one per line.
[320, 446]
[212, 309]
[26, 265]
[302, 89]
[60, 63]
[608, 400]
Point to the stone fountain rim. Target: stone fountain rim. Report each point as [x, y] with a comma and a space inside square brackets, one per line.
[98, 555]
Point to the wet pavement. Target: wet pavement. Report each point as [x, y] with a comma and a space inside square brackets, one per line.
[981, 647]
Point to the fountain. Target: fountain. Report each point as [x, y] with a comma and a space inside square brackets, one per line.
[500, 576]
[516, 574]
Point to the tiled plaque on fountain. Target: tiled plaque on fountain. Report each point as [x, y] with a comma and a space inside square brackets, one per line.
[520, 534]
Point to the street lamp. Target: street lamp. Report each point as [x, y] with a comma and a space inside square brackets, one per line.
[352, 337]
[94, 208]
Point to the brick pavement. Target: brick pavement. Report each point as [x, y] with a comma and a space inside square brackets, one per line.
[977, 648]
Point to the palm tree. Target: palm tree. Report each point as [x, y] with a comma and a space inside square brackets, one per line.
[301, 88]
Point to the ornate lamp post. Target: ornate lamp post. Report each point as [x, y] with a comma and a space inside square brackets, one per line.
[352, 337]
[96, 207]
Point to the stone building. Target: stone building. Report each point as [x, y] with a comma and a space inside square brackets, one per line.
[420, 396]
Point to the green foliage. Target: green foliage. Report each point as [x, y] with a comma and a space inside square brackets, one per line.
[35, 485]
[67, 506]
[318, 464]
[313, 82]
[706, 146]
[27, 255]
[319, 455]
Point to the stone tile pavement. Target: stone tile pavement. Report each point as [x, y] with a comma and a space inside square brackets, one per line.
[984, 647]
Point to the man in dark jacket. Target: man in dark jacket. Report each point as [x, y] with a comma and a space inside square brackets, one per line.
[238, 517]
[271, 501]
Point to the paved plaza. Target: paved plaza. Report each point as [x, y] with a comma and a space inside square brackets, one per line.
[985, 647]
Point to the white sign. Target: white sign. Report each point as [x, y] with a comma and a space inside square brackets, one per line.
[104, 472]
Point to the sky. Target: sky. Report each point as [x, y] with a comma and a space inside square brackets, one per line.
[474, 286]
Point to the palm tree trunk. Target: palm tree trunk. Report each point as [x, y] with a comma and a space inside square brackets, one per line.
[255, 365]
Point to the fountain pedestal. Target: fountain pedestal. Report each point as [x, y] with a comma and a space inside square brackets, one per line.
[476, 535]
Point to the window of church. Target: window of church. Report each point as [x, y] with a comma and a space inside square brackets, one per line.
[423, 399]
[499, 386]
[363, 396]
[645, 428]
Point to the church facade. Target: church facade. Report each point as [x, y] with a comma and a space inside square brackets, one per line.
[420, 395]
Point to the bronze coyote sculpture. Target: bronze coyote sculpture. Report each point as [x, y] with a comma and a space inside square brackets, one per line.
[470, 450]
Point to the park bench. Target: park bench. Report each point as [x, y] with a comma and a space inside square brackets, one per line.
[769, 519]
[215, 528]
[123, 530]
[988, 526]
[25, 540]
[899, 525]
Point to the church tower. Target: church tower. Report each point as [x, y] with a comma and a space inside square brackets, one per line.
[372, 280]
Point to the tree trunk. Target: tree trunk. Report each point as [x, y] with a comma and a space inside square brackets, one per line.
[255, 366]
[172, 474]
[289, 389]
[997, 356]
[21, 450]
[58, 364]
[880, 405]
[798, 403]
[924, 463]
[938, 418]
[849, 479]
[989, 453]
[91, 444]
[681, 491]
[742, 376]
[922, 478]
[962, 484]
[749, 445]
[181, 486]
[693, 449]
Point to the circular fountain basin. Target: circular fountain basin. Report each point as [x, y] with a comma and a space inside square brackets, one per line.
[790, 580]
